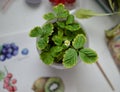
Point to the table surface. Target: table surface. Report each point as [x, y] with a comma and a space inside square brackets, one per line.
[20, 17]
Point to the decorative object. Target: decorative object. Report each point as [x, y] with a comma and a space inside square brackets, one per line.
[48, 84]
[33, 2]
[7, 50]
[69, 4]
[9, 83]
[113, 42]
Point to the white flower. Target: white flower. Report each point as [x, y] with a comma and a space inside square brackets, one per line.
[67, 43]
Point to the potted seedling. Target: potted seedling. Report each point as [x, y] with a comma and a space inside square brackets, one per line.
[61, 40]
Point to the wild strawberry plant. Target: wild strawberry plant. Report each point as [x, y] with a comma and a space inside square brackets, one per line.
[61, 39]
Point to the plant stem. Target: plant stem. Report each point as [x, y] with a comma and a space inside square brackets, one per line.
[6, 69]
[106, 14]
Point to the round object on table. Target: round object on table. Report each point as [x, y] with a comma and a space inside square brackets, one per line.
[32, 2]
[25, 51]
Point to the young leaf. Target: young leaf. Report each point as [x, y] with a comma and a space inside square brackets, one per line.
[63, 14]
[37, 31]
[70, 19]
[59, 57]
[60, 11]
[48, 29]
[70, 58]
[73, 27]
[60, 32]
[47, 58]
[61, 24]
[56, 49]
[2, 75]
[59, 8]
[79, 41]
[88, 55]
[42, 43]
[57, 40]
[49, 16]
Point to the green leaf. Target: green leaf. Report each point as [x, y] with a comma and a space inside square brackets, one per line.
[83, 13]
[63, 14]
[111, 5]
[79, 41]
[61, 24]
[2, 75]
[70, 58]
[47, 58]
[36, 31]
[73, 27]
[58, 8]
[59, 57]
[55, 50]
[49, 16]
[88, 55]
[60, 32]
[57, 40]
[48, 29]
[42, 43]
[70, 19]
[68, 35]
[60, 11]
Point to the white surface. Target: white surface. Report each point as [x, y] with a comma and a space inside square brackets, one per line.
[20, 17]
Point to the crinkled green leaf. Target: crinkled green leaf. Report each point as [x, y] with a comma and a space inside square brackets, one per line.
[60, 32]
[42, 43]
[47, 48]
[60, 11]
[2, 75]
[73, 27]
[59, 57]
[70, 19]
[55, 50]
[48, 29]
[61, 24]
[36, 31]
[57, 40]
[70, 58]
[79, 41]
[47, 58]
[58, 8]
[69, 35]
[63, 14]
[83, 13]
[49, 16]
[88, 55]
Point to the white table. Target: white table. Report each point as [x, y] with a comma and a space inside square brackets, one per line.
[20, 17]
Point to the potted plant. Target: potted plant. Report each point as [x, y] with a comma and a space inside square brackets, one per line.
[61, 40]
